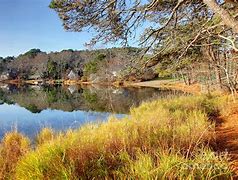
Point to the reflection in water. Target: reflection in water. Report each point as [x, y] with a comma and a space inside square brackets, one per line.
[14, 116]
[31, 108]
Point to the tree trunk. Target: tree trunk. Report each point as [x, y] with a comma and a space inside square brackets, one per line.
[184, 79]
[215, 63]
[227, 19]
[218, 77]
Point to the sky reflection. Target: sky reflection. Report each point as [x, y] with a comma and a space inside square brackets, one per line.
[16, 117]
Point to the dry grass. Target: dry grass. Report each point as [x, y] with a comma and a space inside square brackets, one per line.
[194, 88]
[12, 148]
[169, 84]
[46, 135]
[159, 140]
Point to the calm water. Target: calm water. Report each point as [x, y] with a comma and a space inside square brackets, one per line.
[30, 108]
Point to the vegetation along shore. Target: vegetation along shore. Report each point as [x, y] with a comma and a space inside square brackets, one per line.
[175, 138]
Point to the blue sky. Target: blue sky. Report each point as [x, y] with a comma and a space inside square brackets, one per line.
[27, 24]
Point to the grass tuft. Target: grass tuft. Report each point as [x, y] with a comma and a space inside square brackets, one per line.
[12, 148]
[44, 136]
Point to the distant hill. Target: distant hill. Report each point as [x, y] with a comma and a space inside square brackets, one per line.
[95, 65]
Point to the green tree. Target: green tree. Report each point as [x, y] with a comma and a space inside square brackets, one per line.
[92, 66]
[53, 69]
[32, 53]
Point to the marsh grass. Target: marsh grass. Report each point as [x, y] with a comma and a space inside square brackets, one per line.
[164, 139]
[12, 148]
[44, 136]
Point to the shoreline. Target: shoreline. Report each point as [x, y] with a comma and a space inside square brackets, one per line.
[167, 84]
[170, 84]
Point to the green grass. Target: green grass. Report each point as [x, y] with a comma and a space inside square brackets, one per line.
[164, 139]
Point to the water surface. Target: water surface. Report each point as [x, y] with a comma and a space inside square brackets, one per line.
[30, 108]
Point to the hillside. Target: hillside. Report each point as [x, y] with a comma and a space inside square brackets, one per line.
[97, 65]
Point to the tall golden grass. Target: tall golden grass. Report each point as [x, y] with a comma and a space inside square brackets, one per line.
[164, 139]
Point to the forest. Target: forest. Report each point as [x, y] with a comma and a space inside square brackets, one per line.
[108, 64]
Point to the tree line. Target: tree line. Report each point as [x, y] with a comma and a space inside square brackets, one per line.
[85, 64]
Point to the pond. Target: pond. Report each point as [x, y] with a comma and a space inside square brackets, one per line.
[28, 109]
